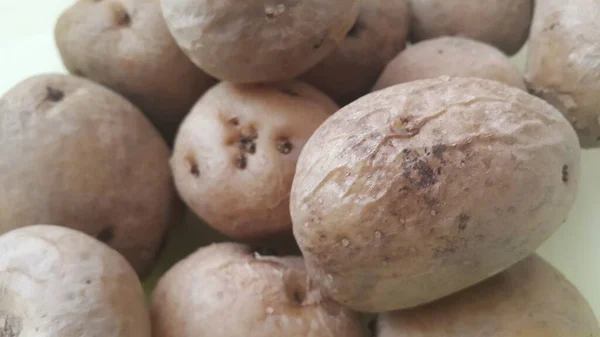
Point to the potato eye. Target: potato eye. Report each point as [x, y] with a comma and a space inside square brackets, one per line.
[54, 95]
[284, 146]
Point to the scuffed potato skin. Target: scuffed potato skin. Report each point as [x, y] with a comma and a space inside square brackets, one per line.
[420, 190]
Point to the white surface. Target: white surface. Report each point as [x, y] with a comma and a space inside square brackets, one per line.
[27, 48]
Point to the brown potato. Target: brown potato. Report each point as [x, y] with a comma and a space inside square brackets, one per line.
[75, 154]
[450, 56]
[531, 299]
[564, 62]
[245, 294]
[126, 46]
[419, 190]
[379, 34]
[261, 40]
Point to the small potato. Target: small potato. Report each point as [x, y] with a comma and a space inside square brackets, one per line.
[58, 282]
[531, 299]
[75, 154]
[225, 290]
[502, 23]
[564, 62]
[422, 189]
[450, 56]
[236, 153]
[126, 46]
[258, 40]
[379, 34]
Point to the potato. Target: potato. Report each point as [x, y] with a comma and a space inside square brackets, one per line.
[126, 46]
[261, 40]
[502, 23]
[75, 154]
[563, 65]
[531, 299]
[450, 56]
[245, 294]
[58, 282]
[236, 153]
[379, 34]
[422, 189]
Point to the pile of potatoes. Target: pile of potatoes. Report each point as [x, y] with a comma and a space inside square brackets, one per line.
[367, 168]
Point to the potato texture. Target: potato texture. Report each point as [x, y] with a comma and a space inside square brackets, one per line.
[422, 189]
[75, 154]
[244, 294]
[564, 64]
[450, 56]
[261, 40]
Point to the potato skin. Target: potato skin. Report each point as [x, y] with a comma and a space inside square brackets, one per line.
[75, 154]
[450, 56]
[259, 41]
[244, 294]
[126, 46]
[563, 66]
[531, 299]
[502, 23]
[417, 191]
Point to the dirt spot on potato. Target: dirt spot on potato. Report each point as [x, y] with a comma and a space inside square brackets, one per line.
[193, 165]
[463, 220]
[320, 43]
[241, 162]
[106, 235]
[122, 18]
[438, 151]
[10, 325]
[565, 174]
[54, 95]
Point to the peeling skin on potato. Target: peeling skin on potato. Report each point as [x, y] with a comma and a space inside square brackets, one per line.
[422, 189]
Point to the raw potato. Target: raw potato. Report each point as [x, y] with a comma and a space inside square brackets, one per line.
[244, 294]
[417, 191]
[450, 56]
[261, 40]
[75, 154]
[531, 299]
[236, 153]
[502, 23]
[564, 62]
[378, 35]
[126, 46]
[58, 282]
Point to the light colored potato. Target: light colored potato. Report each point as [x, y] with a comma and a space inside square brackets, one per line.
[564, 62]
[502, 23]
[417, 191]
[58, 282]
[259, 40]
[75, 154]
[450, 56]
[225, 290]
[531, 299]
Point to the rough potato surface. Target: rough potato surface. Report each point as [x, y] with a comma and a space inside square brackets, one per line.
[417, 191]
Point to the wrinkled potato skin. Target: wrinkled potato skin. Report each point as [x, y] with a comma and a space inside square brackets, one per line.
[126, 46]
[243, 294]
[261, 40]
[417, 191]
[89, 161]
[450, 56]
[563, 66]
[377, 36]
[531, 299]
[502, 23]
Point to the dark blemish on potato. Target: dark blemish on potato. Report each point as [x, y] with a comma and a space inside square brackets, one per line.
[248, 144]
[565, 174]
[427, 174]
[234, 121]
[88, 282]
[355, 30]
[440, 51]
[438, 151]
[106, 235]
[284, 146]
[241, 162]
[320, 43]
[298, 296]
[54, 95]
[439, 170]
[193, 164]
[289, 92]
[431, 202]
[10, 325]
[123, 18]
[463, 219]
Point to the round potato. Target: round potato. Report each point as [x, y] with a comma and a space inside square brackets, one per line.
[379, 34]
[502, 23]
[245, 294]
[450, 56]
[126, 46]
[58, 282]
[75, 154]
[417, 191]
[235, 155]
[531, 299]
[261, 40]
[563, 66]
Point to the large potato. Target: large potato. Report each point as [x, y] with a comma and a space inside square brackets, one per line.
[75, 154]
[531, 299]
[564, 62]
[420, 190]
